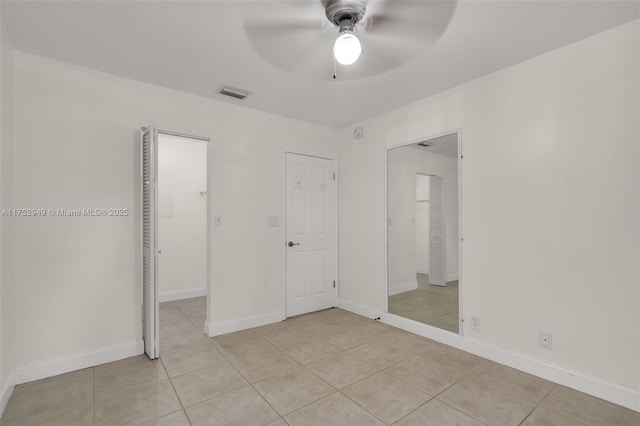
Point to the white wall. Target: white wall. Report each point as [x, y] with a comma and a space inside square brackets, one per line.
[550, 192]
[403, 164]
[182, 217]
[77, 146]
[550, 204]
[401, 193]
[6, 223]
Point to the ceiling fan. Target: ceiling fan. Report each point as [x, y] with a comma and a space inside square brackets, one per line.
[313, 38]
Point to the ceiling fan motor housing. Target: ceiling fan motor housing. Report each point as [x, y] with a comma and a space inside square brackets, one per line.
[345, 13]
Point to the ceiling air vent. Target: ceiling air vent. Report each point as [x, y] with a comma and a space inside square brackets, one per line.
[233, 92]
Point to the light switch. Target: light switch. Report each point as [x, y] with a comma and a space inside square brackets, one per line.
[217, 220]
[274, 221]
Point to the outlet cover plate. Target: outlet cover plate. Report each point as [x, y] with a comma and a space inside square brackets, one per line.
[545, 340]
[476, 323]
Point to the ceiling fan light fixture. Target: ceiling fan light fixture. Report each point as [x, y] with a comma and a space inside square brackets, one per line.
[347, 48]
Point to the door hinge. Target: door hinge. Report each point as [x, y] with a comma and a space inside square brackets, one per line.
[334, 175]
[334, 284]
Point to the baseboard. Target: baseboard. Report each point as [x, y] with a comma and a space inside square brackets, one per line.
[613, 393]
[169, 296]
[616, 394]
[216, 329]
[401, 288]
[358, 309]
[78, 361]
[7, 390]
[448, 278]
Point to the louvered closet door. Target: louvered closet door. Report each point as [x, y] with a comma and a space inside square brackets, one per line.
[150, 316]
[437, 253]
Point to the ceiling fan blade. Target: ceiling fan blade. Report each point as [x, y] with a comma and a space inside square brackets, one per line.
[409, 20]
[288, 34]
[287, 45]
[295, 36]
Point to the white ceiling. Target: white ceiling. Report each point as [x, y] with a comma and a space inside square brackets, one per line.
[446, 145]
[195, 46]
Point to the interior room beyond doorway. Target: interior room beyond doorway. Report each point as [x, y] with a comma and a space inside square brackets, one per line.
[182, 220]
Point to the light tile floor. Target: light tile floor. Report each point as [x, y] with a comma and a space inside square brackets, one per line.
[326, 368]
[429, 304]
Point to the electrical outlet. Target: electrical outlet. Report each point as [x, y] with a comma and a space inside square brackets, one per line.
[545, 340]
[476, 323]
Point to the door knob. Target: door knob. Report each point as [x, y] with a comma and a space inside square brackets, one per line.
[291, 244]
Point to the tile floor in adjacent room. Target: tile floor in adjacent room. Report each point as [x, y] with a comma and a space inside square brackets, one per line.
[326, 368]
[429, 304]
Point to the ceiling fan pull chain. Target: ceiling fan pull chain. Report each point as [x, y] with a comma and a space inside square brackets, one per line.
[334, 68]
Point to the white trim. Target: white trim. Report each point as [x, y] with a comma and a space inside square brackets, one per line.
[7, 390]
[358, 309]
[78, 361]
[283, 235]
[215, 329]
[401, 288]
[420, 270]
[209, 202]
[613, 393]
[460, 233]
[169, 296]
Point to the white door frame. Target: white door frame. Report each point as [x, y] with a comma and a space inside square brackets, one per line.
[284, 240]
[458, 132]
[156, 237]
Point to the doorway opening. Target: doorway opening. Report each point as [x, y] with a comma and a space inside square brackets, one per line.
[175, 236]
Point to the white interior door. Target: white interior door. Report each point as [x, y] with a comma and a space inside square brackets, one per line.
[437, 252]
[311, 224]
[150, 315]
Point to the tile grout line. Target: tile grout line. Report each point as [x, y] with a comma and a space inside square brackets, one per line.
[449, 387]
[94, 396]
[554, 411]
[379, 370]
[378, 339]
[307, 369]
[169, 377]
[383, 371]
[174, 391]
[356, 402]
[247, 380]
[433, 398]
[444, 390]
[470, 376]
[527, 416]
[378, 342]
[335, 390]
